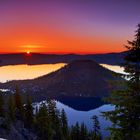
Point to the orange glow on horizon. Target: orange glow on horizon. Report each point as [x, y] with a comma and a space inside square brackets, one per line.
[61, 53]
[65, 27]
[58, 42]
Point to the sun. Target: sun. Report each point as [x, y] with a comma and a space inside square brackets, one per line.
[28, 52]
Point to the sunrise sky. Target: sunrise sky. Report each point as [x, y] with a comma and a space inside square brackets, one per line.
[67, 26]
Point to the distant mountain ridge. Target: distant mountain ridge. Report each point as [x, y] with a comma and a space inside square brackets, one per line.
[80, 78]
[35, 58]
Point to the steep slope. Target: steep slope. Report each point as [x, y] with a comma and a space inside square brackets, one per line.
[79, 78]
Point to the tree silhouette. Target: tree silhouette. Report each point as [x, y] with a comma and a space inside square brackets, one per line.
[11, 109]
[19, 104]
[28, 113]
[83, 132]
[43, 124]
[1, 105]
[126, 116]
[96, 128]
[64, 124]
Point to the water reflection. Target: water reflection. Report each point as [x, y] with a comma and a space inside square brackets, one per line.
[115, 68]
[21, 72]
[80, 109]
[85, 116]
[81, 116]
[81, 103]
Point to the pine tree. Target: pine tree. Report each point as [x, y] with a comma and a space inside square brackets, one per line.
[28, 113]
[43, 124]
[83, 132]
[52, 110]
[1, 105]
[11, 109]
[64, 124]
[18, 105]
[55, 118]
[75, 132]
[126, 116]
[72, 132]
[96, 128]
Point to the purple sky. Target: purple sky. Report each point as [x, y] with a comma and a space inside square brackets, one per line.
[79, 26]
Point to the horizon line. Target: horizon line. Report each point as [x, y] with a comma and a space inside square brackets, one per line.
[62, 53]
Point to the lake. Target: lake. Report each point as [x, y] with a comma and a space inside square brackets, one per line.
[85, 116]
[22, 72]
[74, 114]
[115, 68]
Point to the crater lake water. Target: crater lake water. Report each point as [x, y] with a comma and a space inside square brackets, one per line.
[21, 72]
[85, 116]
